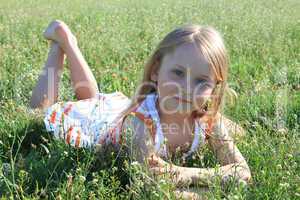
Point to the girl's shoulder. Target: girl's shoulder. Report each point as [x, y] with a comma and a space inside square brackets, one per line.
[223, 127]
[139, 123]
[140, 118]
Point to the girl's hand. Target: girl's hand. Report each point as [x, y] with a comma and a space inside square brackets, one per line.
[155, 161]
[159, 167]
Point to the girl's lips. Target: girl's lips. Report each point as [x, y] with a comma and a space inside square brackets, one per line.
[182, 100]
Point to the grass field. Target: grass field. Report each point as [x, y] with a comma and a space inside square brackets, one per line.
[116, 38]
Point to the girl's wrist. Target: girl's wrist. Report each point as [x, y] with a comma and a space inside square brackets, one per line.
[181, 176]
[195, 176]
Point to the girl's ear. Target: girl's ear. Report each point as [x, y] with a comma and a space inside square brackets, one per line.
[154, 73]
[154, 76]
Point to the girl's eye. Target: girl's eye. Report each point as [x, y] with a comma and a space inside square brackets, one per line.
[178, 72]
[201, 81]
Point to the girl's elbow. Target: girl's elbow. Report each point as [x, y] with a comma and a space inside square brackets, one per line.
[242, 173]
[245, 175]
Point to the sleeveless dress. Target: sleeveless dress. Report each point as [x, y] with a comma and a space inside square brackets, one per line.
[87, 123]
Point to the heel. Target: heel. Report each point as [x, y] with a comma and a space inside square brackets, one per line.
[50, 32]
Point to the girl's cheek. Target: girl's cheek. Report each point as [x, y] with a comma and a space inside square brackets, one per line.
[204, 94]
[202, 97]
[207, 92]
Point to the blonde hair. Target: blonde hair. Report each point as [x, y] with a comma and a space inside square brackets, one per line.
[211, 46]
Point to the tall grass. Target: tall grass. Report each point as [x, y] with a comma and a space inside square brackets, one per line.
[116, 38]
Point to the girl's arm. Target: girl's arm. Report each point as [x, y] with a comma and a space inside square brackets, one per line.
[140, 144]
[232, 161]
[138, 140]
[141, 147]
[233, 164]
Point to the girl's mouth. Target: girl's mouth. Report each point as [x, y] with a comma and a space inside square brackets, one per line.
[182, 100]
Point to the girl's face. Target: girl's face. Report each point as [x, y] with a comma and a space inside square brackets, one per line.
[184, 80]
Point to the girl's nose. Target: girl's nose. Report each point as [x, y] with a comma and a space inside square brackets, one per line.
[187, 89]
[186, 94]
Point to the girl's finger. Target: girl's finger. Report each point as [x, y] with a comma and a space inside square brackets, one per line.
[153, 161]
[157, 170]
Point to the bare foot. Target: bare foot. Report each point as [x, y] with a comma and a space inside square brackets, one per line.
[59, 32]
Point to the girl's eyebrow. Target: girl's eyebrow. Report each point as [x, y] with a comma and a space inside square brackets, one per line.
[202, 76]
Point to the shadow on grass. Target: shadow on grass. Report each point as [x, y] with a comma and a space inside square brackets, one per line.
[39, 164]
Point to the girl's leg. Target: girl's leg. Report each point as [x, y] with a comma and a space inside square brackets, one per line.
[83, 80]
[45, 92]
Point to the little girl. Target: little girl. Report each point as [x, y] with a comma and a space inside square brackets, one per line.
[176, 105]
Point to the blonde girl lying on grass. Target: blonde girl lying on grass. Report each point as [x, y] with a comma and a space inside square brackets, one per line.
[176, 105]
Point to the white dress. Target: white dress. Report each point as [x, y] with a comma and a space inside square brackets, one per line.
[86, 123]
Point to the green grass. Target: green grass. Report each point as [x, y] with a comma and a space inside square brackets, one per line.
[117, 37]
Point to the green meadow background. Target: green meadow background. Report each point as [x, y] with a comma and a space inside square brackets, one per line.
[116, 38]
